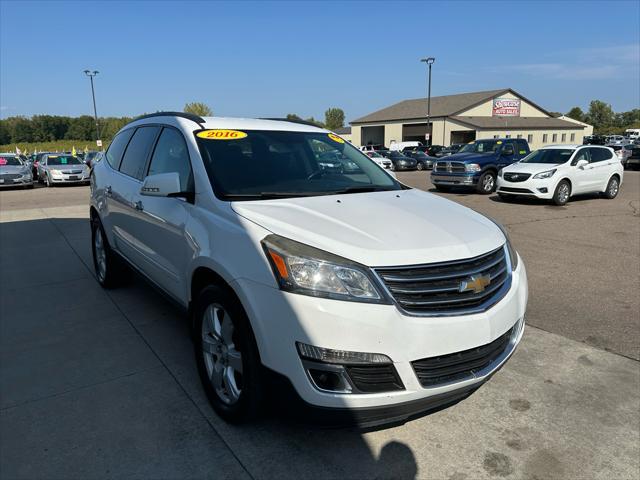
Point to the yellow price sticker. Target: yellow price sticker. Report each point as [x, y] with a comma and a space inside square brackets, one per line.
[335, 138]
[221, 134]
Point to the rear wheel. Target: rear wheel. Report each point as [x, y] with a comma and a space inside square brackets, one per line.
[110, 271]
[486, 183]
[562, 193]
[613, 187]
[227, 355]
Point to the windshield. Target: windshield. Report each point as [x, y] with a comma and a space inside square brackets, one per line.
[374, 155]
[482, 146]
[63, 160]
[258, 164]
[9, 160]
[553, 156]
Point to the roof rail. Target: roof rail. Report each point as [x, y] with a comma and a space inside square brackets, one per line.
[189, 116]
[302, 122]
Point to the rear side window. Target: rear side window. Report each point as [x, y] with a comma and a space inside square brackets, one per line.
[171, 155]
[599, 154]
[116, 149]
[135, 157]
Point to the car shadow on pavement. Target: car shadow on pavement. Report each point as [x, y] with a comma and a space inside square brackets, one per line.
[92, 370]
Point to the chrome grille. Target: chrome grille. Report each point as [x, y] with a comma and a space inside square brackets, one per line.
[516, 177]
[439, 288]
[449, 167]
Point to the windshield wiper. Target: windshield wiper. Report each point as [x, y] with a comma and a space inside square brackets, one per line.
[363, 189]
[270, 195]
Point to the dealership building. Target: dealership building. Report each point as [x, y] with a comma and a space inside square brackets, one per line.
[466, 117]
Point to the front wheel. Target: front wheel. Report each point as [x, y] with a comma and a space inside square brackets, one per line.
[562, 193]
[486, 183]
[420, 166]
[227, 355]
[47, 181]
[613, 187]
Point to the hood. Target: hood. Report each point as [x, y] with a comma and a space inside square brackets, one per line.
[469, 156]
[403, 227]
[14, 169]
[532, 168]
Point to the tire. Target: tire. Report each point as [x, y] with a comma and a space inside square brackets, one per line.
[420, 166]
[505, 198]
[486, 183]
[47, 181]
[227, 355]
[443, 188]
[613, 187]
[110, 270]
[562, 193]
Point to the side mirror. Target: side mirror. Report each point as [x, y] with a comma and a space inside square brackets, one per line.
[161, 185]
[581, 163]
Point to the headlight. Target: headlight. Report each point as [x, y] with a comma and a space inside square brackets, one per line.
[500, 173]
[27, 174]
[472, 167]
[306, 270]
[56, 172]
[513, 255]
[547, 174]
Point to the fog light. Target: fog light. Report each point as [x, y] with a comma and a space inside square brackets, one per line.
[543, 190]
[331, 381]
[343, 357]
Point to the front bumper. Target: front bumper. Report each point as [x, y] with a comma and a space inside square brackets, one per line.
[539, 188]
[454, 179]
[281, 319]
[16, 182]
[404, 167]
[78, 178]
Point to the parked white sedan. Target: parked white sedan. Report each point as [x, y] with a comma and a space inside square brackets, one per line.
[558, 172]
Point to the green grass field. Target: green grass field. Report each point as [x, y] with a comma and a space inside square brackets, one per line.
[56, 146]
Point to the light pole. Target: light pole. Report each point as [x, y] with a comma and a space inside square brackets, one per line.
[429, 61]
[92, 74]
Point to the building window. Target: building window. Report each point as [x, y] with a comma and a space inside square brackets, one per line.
[530, 138]
[554, 138]
[519, 135]
[564, 137]
[507, 136]
[545, 138]
[496, 136]
[573, 137]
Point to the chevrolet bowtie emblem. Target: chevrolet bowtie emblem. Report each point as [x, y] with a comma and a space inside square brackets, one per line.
[477, 283]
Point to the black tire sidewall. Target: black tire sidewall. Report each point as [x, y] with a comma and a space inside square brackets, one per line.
[606, 192]
[115, 269]
[481, 183]
[249, 405]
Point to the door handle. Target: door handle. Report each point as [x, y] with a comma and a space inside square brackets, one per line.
[107, 190]
[138, 206]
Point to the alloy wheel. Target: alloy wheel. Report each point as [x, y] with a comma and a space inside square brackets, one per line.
[222, 360]
[563, 193]
[613, 187]
[487, 183]
[101, 255]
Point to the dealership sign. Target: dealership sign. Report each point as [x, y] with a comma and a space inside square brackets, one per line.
[506, 107]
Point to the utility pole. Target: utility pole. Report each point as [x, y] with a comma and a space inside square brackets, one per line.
[429, 61]
[92, 74]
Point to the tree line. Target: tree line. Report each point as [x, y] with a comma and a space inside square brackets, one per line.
[49, 128]
[604, 120]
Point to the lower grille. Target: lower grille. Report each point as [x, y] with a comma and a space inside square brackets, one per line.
[459, 366]
[375, 378]
[450, 167]
[515, 190]
[516, 177]
[450, 288]
[10, 176]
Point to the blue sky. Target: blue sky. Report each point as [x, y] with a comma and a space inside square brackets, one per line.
[270, 59]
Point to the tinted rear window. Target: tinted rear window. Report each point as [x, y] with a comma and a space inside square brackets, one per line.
[116, 149]
[135, 157]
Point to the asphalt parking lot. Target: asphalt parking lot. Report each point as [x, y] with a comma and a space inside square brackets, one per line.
[97, 384]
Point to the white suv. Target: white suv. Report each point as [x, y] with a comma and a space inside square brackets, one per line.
[558, 172]
[369, 298]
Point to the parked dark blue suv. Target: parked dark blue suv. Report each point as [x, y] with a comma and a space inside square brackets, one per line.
[477, 164]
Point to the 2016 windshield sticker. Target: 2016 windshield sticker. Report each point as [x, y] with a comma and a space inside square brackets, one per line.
[335, 138]
[522, 152]
[221, 134]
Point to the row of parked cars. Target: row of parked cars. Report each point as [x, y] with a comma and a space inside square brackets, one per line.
[48, 168]
[409, 155]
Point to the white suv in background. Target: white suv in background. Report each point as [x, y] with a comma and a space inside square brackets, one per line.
[371, 299]
[558, 172]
